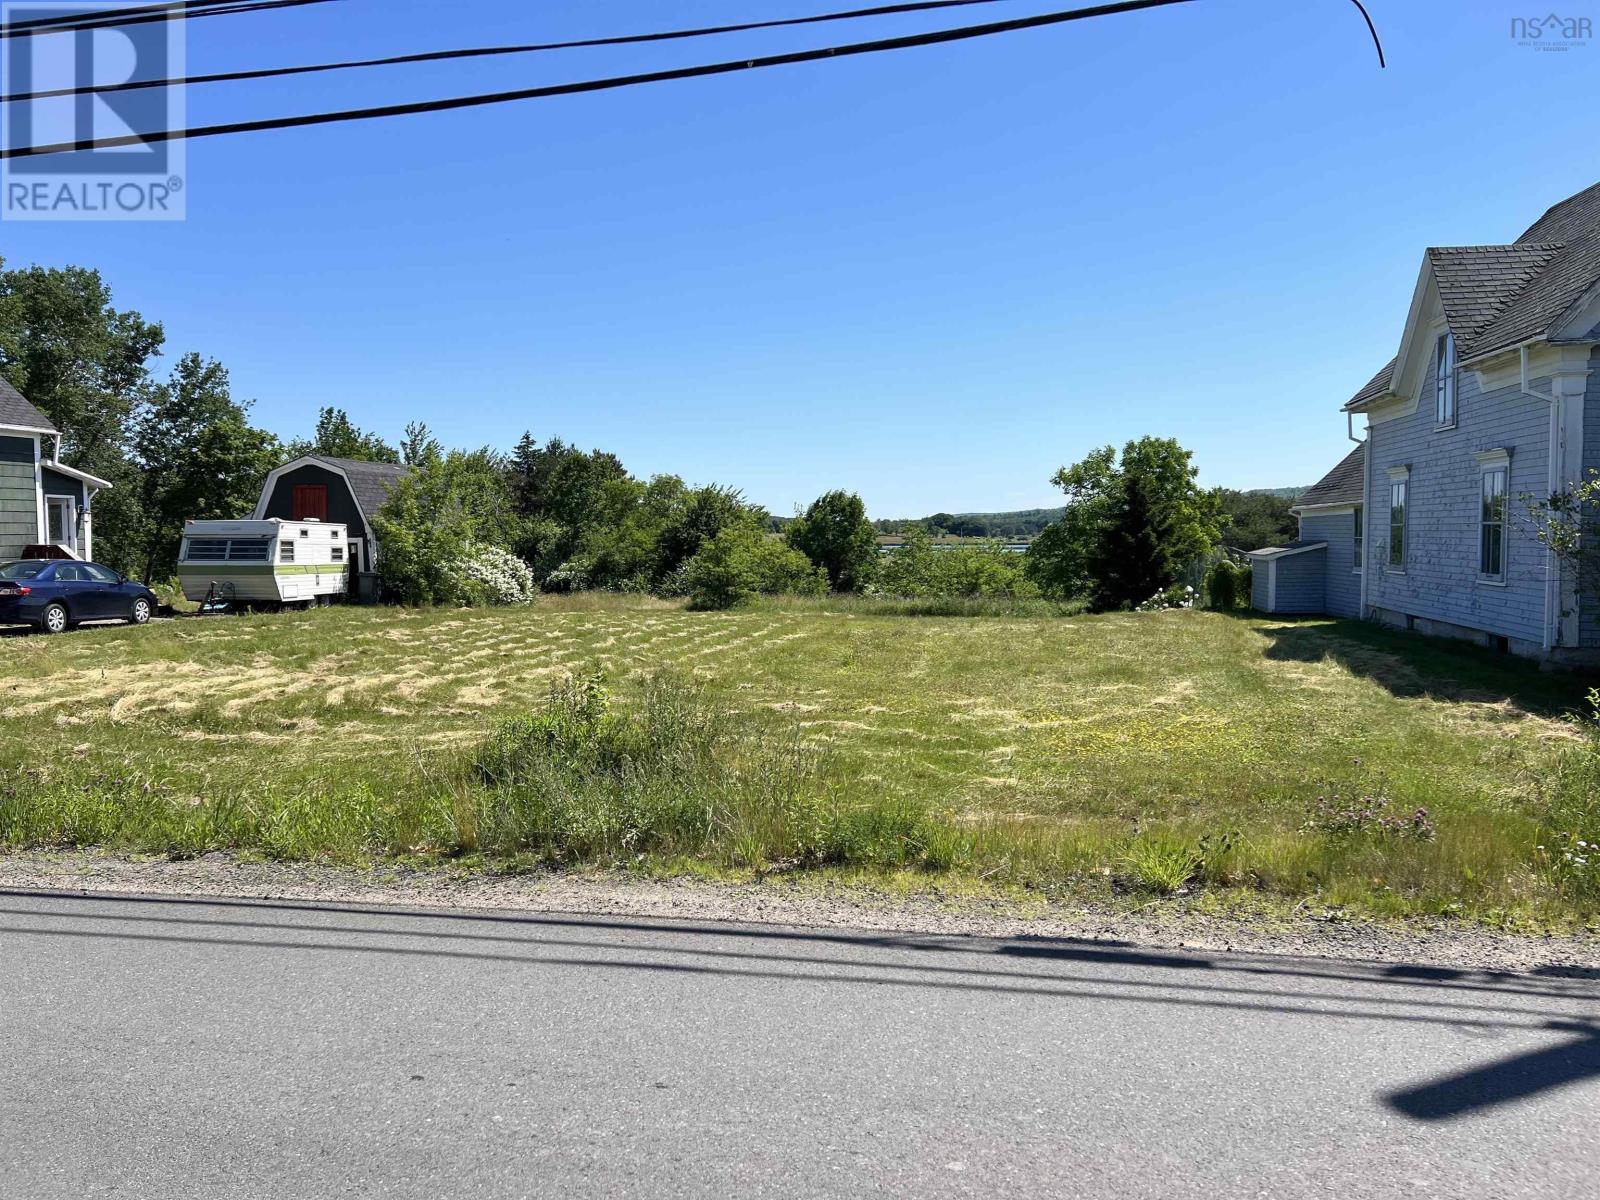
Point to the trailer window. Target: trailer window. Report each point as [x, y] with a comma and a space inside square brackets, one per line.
[285, 551]
[338, 554]
[208, 550]
[228, 550]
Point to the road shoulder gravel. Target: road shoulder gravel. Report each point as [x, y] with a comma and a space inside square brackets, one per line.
[807, 904]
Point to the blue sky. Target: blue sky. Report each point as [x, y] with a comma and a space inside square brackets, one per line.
[931, 277]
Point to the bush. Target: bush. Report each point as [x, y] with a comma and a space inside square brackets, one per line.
[1177, 596]
[492, 576]
[1227, 585]
[673, 774]
[741, 563]
[433, 520]
[917, 571]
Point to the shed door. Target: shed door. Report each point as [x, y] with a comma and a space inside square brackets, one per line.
[310, 502]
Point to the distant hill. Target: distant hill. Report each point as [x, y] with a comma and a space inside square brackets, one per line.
[1021, 524]
[1024, 523]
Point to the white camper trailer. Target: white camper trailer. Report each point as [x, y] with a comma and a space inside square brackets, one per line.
[263, 564]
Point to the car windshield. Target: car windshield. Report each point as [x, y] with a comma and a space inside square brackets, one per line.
[22, 570]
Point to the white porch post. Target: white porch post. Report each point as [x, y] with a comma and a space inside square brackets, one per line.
[1568, 382]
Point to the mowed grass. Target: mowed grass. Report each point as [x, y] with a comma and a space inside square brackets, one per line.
[1104, 756]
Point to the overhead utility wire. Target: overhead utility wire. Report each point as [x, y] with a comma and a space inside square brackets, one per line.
[589, 85]
[112, 18]
[582, 86]
[490, 51]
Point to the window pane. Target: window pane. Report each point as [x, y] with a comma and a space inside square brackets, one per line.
[1493, 549]
[207, 549]
[256, 550]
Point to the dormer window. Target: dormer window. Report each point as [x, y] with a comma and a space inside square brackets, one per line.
[1444, 381]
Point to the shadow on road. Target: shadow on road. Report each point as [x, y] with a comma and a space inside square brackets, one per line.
[1505, 1080]
[1486, 1003]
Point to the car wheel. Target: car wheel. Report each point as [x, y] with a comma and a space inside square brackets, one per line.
[141, 612]
[54, 619]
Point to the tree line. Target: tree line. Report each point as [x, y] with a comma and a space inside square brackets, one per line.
[566, 518]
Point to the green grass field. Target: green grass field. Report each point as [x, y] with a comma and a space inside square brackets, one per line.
[1109, 756]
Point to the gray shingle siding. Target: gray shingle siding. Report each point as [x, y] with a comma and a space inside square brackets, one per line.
[1342, 590]
[1441, 581]
[1301, 579]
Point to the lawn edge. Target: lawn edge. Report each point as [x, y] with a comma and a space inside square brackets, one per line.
[1459, 945]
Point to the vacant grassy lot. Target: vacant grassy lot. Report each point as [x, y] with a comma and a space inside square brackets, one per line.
[1101, 754]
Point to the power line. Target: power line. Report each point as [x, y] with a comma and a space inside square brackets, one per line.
[588, 85]
[112, 18]
[171, 8]
[1372, 29]
[880, 45]
[491, 51]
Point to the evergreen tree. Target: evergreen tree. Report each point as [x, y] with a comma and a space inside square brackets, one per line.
[1132, 560]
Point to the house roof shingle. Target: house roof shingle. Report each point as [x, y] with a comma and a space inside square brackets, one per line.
[16, 411]
[1377, 386]
[1476, 283]
[1498, 297]
[1342, 485]
[1570, 272]
[369, 481]
[1568, 220]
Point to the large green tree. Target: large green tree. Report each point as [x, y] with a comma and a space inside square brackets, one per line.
[834, 533]
[83, 363]
[1132, 523]
[86, 365]
[1256, 519]
[197, 456]
[337, 436]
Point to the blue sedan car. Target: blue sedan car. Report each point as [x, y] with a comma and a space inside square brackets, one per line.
[56, 595]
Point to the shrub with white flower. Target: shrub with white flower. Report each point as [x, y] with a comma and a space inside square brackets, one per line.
[492, 576]
[1173, 598]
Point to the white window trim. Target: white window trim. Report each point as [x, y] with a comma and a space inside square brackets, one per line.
[1360, 546]
[69, 522]
[1445, 365]
[1400, 474]
[1490, 461]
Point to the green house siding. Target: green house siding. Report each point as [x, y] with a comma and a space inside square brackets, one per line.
[19, 507]
[57, 484]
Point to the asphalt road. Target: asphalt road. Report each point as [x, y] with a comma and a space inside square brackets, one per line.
[170, 1048]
